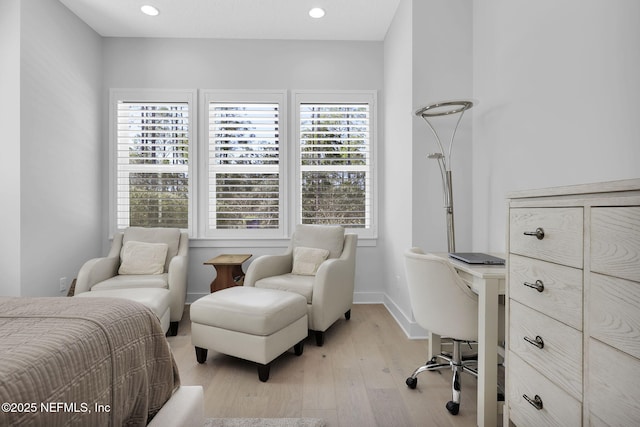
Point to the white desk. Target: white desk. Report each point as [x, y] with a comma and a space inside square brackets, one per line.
[488, 281]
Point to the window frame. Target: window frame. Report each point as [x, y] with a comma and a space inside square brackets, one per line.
[289, 158]
[206, 96]
[337, 97]
[151, 95]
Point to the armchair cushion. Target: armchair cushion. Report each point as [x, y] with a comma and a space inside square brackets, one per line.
[329, 237]
[307, 260]
[142, 258]
[302, 285]
[124, 281]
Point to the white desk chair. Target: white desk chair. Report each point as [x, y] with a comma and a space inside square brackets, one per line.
[443, 304]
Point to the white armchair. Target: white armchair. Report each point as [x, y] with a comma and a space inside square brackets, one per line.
[132, 267]
[319, 264]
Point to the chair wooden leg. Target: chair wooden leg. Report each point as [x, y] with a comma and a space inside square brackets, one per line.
[201, 354]
[347, 315]
[319, 338]
[299, 348]
[263, 372]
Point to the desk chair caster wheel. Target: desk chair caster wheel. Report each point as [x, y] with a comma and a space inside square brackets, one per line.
[412, 382]
[431, 361]
[453, 407]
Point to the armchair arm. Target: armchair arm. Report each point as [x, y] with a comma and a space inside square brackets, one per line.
[333, 287]
[267, 266]
[177, 278]
[99, 269]
[177, 285]
[95, 271]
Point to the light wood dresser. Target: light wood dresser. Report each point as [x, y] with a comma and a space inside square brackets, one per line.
[573, 306]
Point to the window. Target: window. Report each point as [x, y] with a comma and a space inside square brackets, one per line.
[335, 153]
[244, 163]
[153, 134]
[238, 176]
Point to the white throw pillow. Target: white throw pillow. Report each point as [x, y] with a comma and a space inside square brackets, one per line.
[307, 260]
[142, 258]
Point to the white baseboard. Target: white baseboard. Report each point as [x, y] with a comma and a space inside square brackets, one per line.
[411, 329]
[368, 298]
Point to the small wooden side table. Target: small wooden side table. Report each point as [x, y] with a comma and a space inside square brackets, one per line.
[229, 270]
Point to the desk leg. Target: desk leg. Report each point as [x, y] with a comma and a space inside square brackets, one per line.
[487, 354]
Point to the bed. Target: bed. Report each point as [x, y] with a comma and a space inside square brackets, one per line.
[73, 361]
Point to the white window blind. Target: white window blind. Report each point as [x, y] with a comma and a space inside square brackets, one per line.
[335, 163]
[152, 164]
[244, 190]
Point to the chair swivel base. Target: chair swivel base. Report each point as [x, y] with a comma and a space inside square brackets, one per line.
[457, 364]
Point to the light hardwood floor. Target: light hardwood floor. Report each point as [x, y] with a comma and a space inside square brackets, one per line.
[356, 379]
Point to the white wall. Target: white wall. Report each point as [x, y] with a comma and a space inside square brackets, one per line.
[60, 126]
[10, 125]
[249, 64]
[427, 59]
[242, 64]
[558, 87]
[442, 67]
[397, 202]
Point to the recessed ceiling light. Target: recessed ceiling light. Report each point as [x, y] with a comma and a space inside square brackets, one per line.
[316, 12]
[147, 9]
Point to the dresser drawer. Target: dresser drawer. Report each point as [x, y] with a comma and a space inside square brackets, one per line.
[561, 295]
[614, 385]
[558, 407]
[562, 241]
[559, 359]
[615, 241]
[614, 316]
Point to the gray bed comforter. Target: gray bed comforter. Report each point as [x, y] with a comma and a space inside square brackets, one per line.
[83, 362]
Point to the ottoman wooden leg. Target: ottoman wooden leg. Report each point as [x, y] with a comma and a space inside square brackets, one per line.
[299, 348]
[201, 354]
[263, 371]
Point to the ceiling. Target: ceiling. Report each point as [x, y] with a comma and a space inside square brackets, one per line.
[239, 19]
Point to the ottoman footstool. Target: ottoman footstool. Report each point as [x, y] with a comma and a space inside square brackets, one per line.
[250, 323]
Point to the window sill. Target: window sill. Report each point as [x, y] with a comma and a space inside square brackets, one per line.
[260, 243]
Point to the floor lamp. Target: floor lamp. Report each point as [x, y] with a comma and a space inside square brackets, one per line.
[443, 157]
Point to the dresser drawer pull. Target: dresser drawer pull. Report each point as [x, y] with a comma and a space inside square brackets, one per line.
[538, 286]
[536, 402]
[537, 342]
[539, 233]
